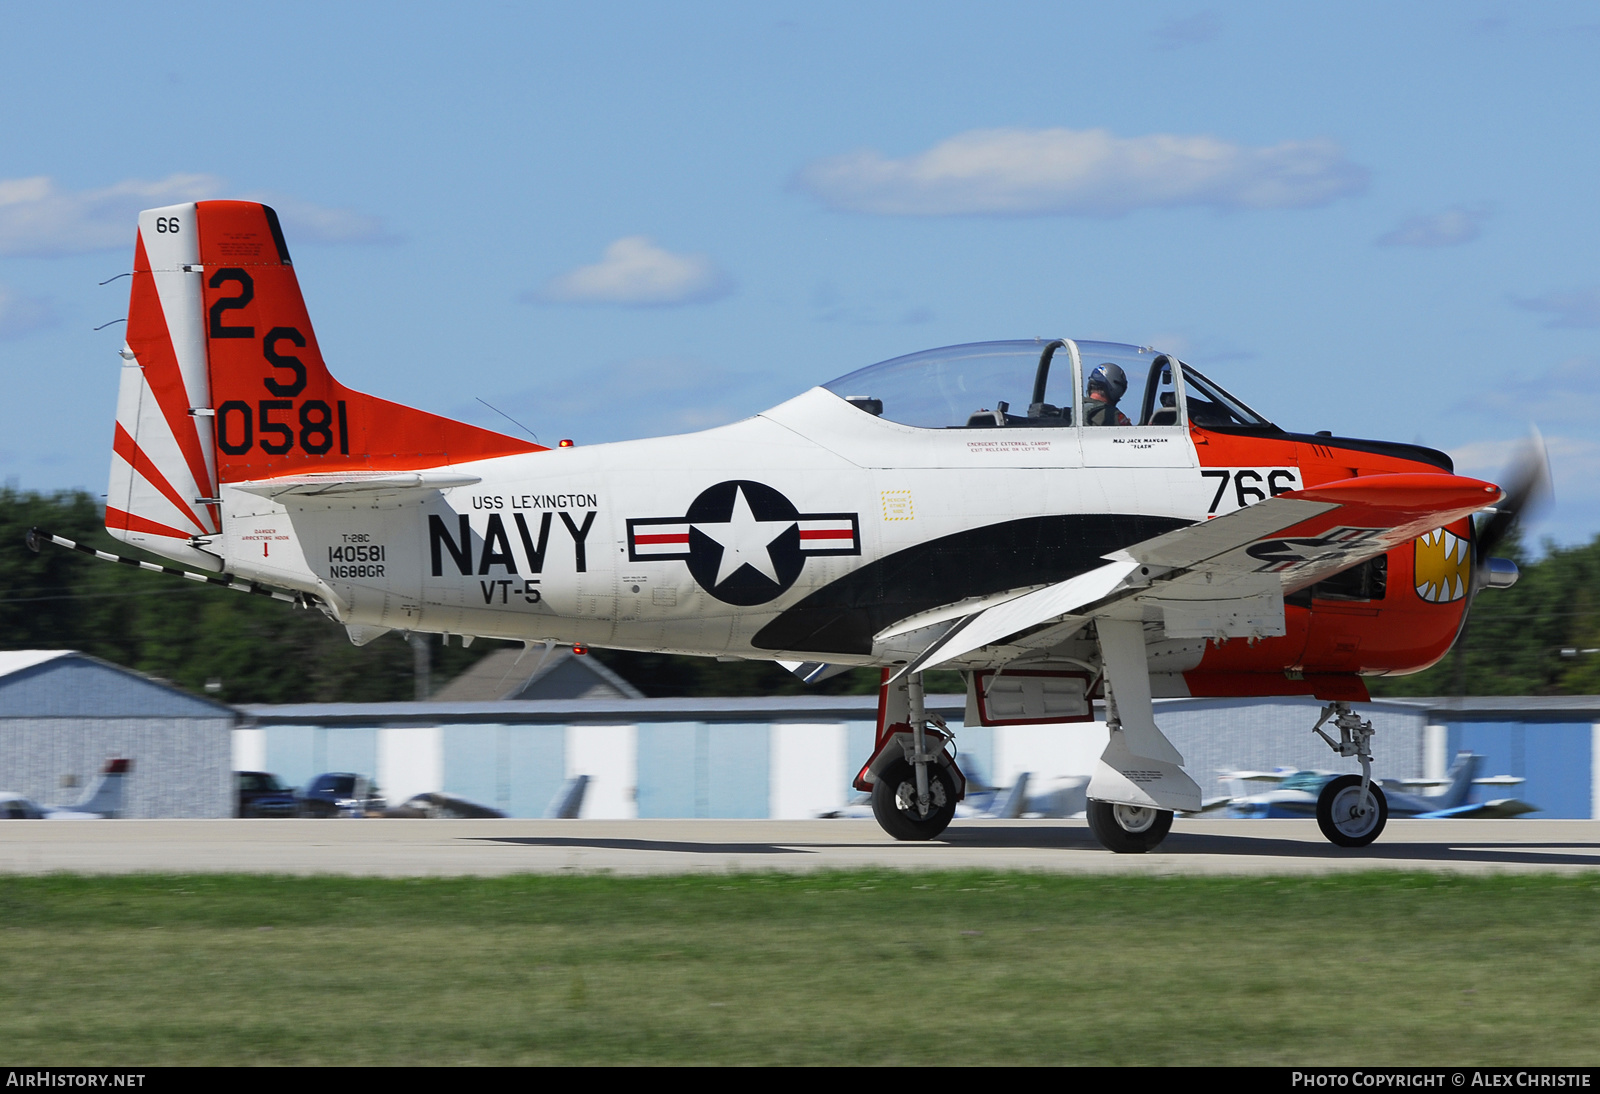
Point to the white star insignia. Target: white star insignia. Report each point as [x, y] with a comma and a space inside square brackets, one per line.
[745, 540]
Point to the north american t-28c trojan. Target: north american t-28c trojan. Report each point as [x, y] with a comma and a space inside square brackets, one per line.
[1059, 520]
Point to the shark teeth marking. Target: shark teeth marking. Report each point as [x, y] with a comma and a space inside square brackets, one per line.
[1443, 566]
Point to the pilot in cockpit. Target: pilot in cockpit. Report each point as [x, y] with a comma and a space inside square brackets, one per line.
[1106, 385]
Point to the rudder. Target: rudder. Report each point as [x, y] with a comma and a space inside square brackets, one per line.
[163, 463]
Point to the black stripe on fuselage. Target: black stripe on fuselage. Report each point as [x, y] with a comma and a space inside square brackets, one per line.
[842, 617]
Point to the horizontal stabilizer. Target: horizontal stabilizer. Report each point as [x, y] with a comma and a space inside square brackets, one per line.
[355, 483]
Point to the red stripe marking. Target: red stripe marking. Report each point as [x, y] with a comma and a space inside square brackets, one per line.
[126, 447]
[831, 533]
[116, 518]
[151, 340]
[673, 537]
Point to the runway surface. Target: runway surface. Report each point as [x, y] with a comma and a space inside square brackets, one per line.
[402, 848]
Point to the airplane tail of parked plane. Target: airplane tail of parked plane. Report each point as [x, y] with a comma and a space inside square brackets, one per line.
[105, 797]
[1461, 774]
[568, 802]
[223, 382]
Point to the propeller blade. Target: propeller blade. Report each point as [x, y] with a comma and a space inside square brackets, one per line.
[1527, 485]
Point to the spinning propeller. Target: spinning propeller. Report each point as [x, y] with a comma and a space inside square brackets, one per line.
[1527, 485]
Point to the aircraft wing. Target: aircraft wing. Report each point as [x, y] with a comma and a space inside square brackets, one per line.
[1227, 577]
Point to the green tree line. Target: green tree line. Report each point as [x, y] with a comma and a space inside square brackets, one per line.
[251, 649]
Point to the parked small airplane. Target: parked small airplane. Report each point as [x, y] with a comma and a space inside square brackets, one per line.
[438, 805]
[102, 800]
[997, 508]
[1031, 796]
[1299, 794]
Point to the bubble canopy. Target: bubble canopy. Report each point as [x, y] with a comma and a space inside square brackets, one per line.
[1035, 383]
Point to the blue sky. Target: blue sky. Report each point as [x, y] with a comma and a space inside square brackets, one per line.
[636, 219]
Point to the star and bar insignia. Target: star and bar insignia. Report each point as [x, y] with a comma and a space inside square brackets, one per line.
[745, 542]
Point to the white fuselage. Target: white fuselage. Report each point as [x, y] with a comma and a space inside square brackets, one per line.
[601, 545]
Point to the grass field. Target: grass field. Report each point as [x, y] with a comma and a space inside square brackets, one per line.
[861, 968]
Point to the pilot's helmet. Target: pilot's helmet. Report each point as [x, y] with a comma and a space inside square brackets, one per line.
[1110, 379]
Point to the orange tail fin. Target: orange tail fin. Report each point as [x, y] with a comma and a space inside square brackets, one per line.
[278, 410]
[223, 382]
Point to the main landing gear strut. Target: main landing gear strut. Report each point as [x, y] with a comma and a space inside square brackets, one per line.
[1351, 810]
[1139, 782]
[913, 779]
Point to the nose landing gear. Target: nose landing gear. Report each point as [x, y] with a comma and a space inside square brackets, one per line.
[1351, 810]
[1350, 815]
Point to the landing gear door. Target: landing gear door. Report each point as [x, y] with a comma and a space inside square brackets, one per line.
[1143, 424]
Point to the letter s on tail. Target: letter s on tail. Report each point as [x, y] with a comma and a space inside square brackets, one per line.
[223, 382]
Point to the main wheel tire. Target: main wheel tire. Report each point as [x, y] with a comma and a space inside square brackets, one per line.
[1128, 829]
[1340, 814]
[894, 801]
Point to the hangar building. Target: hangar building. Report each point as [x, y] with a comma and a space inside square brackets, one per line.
[63, 714]
[794, 756]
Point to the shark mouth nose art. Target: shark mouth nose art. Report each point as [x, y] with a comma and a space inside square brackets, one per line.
[1443, 568]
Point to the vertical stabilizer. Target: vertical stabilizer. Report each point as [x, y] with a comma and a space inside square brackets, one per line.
[1462, 772]
[223, 382]
[105, 797]
[278, 411]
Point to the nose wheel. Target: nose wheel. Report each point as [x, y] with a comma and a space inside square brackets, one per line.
[1349, 817]
[1352, 809]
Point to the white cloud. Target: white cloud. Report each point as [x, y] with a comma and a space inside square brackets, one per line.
[1446, 229]
[1082, 172]
[635, 272]
[1578, 308]
[305, 222]
[39, 218]
[21, 315]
